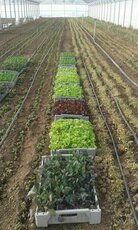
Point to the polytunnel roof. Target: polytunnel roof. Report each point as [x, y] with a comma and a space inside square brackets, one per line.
[88, 2]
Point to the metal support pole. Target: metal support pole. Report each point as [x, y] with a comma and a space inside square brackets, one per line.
[64, 8]
[14, 8]
[21, 9]
[131, 13]
[51, 10]
[35, 12]
[119, 13]
[24, 9]
[104, 11]
[97, 12]
[99, 9]
[110, 12]
[29, 9]
[39, 10]
[114, 12]
[10, 8]
[107, 13]
[28, 3]
[18, 9]
[1, 26]
[124, 13]
[98, 6]
[5, 10]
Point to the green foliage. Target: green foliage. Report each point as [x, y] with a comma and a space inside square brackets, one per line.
[71, 133]
[7, 75]
[65, 183]
[66, 70]
[67, 61]
[14, 63]
[68, 91]
[67, 78]
[67, 54]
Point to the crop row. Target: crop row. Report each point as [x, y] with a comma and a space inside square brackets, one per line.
[65, 177]
[125, 55]
[17, 95]
[93, 61]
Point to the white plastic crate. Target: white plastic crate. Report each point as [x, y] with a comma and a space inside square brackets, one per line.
[67, 152]
[86, 215]
[71, 116]
[91, 216]
[66, 98]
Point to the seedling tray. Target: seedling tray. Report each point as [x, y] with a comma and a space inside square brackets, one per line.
[75, 107]
[66, 116]
[86, 215]
[9, 84]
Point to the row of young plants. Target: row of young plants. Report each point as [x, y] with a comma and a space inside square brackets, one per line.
[42, 80]
[125, 55]
[15, 97]
[120, 132]
[10, 66]
[125, 143]
[67, 180]
[108, 180]
[116, 83]
[10, 70]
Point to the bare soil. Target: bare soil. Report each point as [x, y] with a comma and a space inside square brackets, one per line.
[14, 186]
[14, 207]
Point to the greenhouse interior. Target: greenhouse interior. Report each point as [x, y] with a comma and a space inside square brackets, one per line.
[68, 114]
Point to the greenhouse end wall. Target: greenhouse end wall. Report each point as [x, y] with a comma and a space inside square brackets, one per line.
[66, 10]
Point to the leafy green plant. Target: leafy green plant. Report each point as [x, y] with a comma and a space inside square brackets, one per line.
[64, 70]
[8, 75]
[68, 91]
[66, 183]
[71, 133]
[67, 54]
[67, 78]
[14, 63]
[67, 61]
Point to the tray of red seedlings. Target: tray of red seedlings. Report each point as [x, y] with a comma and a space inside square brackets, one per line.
[70, 106]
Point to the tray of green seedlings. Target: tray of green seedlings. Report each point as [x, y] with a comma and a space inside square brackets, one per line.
[69, 135]
[8, 76]
[65, 191]
[67, 70]
[67, 61]
[67, 78]
[68, 91]
[7, 81]
[67, 55]
[4, 89]
[16, 63]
